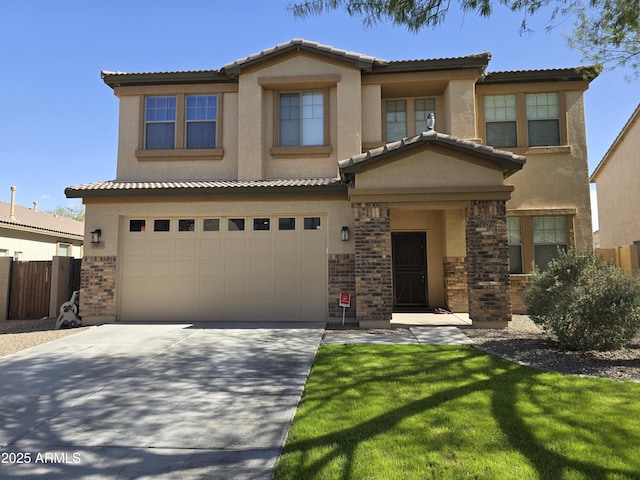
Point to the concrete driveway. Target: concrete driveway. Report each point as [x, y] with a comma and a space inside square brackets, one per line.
[129, 401]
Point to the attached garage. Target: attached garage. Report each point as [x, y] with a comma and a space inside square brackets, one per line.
[261, 267]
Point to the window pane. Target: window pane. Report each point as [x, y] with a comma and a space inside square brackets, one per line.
[500, 108]
[201, 135]
[396, 120]
[312, 118]
[312, 223]
[543, 132]
[161, 225]
[514, 228]
[422, 108]
[160, 136]
[287, 223]
[202, 107]
[261, 223]
[137, 225]
[515, 259]
[211, 225]
[186, 225]
[502, 134]
[236, 224]
[289, 119]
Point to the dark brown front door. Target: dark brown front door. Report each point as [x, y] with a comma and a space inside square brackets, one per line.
[409, 250]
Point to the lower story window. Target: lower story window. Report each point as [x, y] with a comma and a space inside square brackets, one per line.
[535, 240]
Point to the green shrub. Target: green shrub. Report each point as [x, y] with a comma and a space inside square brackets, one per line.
[589, 304]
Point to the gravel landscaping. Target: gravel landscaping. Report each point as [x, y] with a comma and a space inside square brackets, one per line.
[523, 342]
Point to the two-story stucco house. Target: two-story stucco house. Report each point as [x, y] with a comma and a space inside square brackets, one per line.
[618, 194]
[262, 190]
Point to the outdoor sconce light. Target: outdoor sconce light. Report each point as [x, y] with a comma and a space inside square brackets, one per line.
[95, 235]
[344, 234]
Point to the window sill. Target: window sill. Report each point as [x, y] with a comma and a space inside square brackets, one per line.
[290, 152]
[539, 150]
[181, 154]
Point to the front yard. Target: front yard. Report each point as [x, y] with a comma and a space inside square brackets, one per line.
[453, 412]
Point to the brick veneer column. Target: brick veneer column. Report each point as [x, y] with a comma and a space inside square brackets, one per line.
[373, 264]
[488, 264]
[456, 284]
[98, 289]
[342, 278]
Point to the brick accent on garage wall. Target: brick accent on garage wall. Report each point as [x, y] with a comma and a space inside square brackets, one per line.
[488, 263]
[455, 284]
[373, 262]
[342, 278]
[98, 287]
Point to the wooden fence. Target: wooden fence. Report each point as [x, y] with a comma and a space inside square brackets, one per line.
[33, 284]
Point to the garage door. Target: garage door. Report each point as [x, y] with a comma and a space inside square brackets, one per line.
[223, 268]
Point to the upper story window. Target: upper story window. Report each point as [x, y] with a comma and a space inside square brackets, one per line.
[522, 120]
[301, 119]
[500, 116]
[543, 119]
[201, 117]
[160, 123]
[407, 117]
[180, 124]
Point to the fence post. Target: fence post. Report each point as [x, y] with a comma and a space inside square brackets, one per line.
[5, 283]
[60, 277]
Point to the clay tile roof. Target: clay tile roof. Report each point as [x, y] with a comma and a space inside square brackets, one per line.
[26, 218]
[361, 60]
[114, 187]
[509, 161]
[587, 72]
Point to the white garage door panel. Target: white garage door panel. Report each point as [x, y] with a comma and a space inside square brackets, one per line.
[222, 275]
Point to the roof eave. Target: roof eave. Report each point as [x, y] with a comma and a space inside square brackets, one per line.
[576, 74]
[118, 79]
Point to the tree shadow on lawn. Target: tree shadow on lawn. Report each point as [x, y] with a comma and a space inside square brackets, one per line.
[507, 386]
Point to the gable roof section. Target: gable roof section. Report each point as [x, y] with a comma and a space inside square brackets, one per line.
[200, 187]
[509, 162]
[360, 60]
[619, 139]
[42, 222]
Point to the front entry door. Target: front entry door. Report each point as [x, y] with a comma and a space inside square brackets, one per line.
[409, 250]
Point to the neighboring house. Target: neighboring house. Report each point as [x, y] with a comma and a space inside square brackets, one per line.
[26, 234]
[618, 193]
[263, 190]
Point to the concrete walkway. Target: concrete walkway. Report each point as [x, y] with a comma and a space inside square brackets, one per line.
[438, 335]
[154, 401]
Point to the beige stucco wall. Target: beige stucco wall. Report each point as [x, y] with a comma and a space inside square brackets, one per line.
[459, 116]
[34, 246]
[558, 178]
[618, 192]
[427, 168]
[106, 215]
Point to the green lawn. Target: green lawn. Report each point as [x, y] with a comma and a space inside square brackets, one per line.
[453, 412]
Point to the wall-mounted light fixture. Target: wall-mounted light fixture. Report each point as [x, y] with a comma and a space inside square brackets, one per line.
[344, 234]
[95, 235]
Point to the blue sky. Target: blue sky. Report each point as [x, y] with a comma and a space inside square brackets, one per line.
[59, 120]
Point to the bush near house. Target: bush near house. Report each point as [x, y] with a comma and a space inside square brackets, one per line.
[588, 303]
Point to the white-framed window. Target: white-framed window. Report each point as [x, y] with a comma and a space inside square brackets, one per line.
[543, 119]
[396, 119]
[500, 116]
[64, 250]
[301, 118]
[201, 118]
[160, 123]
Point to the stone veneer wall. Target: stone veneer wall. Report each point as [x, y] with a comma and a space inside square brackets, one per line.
[456, 284]
[342, 278]
[98, 287]
[488, 263]
[372, 232]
